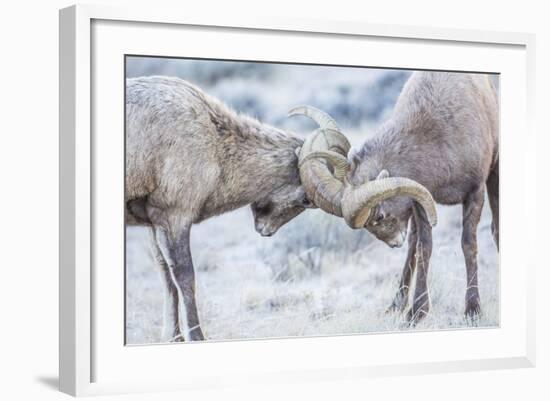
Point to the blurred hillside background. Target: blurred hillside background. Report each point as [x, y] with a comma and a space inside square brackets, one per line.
[315, 276]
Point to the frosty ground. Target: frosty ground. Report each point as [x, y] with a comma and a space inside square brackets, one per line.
[316, 276]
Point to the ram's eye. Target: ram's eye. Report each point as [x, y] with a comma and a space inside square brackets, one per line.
[378, 219]
[306, 202]
[264, 209]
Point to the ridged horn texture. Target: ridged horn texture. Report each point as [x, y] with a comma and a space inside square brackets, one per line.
[324, 166]
[357, 202]
[322, 119]
[323, 161]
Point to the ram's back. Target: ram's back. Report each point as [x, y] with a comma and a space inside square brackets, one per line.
[169, 134]
[449, 126]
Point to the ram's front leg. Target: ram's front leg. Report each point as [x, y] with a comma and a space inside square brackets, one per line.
[176, 250]
[421, 302]
[399, 302]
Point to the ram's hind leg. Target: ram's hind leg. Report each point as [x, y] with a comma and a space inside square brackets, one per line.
[471, 213]
[170, 329]
[493, 195]
[399, 302]
[176, 250]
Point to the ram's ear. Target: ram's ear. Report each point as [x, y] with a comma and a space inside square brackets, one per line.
[297, 151]
[354, 161]
[383, 174]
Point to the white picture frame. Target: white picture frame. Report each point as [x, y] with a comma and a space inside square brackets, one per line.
[95, 361]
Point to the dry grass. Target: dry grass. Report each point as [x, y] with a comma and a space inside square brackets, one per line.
[314, 277]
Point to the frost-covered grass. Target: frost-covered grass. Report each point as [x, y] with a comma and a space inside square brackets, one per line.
[316, 276]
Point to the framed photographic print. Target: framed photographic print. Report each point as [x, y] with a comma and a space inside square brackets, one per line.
[275, 200]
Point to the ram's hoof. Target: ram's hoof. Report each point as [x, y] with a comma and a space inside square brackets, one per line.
[416, 314]
[398, 304]
[473, 310]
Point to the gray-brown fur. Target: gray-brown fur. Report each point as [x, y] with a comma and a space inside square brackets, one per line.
[443, 134]
[188, 158]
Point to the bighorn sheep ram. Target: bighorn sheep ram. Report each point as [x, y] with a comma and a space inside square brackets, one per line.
[188, 158]
[443, 137]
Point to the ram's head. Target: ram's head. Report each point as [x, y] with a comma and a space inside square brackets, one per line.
[324, 169]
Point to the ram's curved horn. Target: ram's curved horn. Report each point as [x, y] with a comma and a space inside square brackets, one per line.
[322, 169]
[323, 166]
[322, 119]
[338, 162]
[323, 161]
[357, 202]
